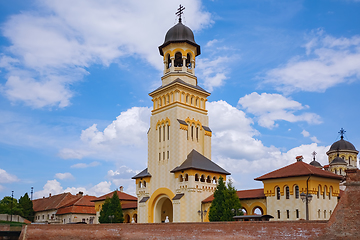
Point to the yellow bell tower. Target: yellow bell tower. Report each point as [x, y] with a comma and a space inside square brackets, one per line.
[180, 173]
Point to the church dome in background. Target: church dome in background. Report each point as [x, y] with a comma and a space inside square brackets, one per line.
[342, 145]
[315, 164]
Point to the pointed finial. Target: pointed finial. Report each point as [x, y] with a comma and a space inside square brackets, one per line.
[314, 154]
[342, 132]
[180, 12]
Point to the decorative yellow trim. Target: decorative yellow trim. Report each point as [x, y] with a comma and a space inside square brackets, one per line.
[163, 122]
[207, 133]
[257, 204]
[183, 127]
[158, 193]
[193, 121]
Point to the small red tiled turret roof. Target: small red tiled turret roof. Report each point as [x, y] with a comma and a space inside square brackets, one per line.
[298, 169]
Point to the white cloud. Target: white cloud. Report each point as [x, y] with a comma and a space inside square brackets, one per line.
[305, 133]
[61, 42]
[328, 61]
[6, 177]
[314, 139]
[64, 176]
[53, 187]
[213, 71]
[269, 108]
[123, 140]
[122, 177]
[85, 165]
[236, 149]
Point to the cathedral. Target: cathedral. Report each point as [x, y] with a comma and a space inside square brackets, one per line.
[180, 173]
[179, 182]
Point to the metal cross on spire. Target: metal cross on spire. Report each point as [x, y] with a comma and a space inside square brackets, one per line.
[314, 154]
[342, 132]
[180, 12]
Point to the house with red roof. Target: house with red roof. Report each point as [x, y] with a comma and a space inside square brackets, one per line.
[65, 208]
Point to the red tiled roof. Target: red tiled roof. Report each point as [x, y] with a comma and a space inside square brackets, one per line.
[76, 209]
[298, 169]
[243, 194]
[53, 202]
[122, 196]
[130, 205]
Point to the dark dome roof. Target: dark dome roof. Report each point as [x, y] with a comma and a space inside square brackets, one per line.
[315, 164]
[338, 160]
[342, 145]
[179, 33]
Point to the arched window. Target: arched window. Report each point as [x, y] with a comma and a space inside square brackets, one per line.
[340, 171]
[297, 192]
[297, 213]
[214, 180]
[163, 133]
[324, 193]
[168, 132]
[188, 60]
[168, 65]
[349, 160]
[287, 214]
[208, 179]
[324, 213]
[197, 133]
[144, 184]
[335, 171]
[278, 213]
[318, 193]
[192, 132]
[278, 193]
[159, 133]
[140, 184]
[287, 192]
[196, 177]
[186, 177]
[178, 62]
[202, 179]
[319, 213]
[330, 192]
[181, 178]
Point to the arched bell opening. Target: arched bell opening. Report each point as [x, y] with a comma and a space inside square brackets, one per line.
[188, 60]
[163, 210]
[168, 61]
[178, 62]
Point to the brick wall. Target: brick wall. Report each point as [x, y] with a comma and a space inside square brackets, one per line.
[343, 224]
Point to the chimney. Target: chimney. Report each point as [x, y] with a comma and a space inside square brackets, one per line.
[49, 194]
[299, 158]
[80, 193]
[121, 188]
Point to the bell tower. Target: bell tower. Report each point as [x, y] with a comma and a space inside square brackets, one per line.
[180, 173]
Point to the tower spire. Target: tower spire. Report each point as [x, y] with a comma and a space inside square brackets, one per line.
[314, 154]
[180, 12]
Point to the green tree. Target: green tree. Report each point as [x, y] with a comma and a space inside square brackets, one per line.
[225, 204]
[27, 207]
[9, 205]
[111, 207]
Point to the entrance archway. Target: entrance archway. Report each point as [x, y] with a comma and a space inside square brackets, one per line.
[163, 209]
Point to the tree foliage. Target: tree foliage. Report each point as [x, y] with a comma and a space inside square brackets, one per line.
[111, 207]
[226, 203]
[23, 208]
[27, 207]
[9, 205]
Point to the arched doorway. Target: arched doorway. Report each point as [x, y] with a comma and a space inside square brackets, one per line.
[127, 218]
[163, 209]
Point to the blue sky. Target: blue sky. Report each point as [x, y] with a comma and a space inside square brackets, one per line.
[75, 78]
